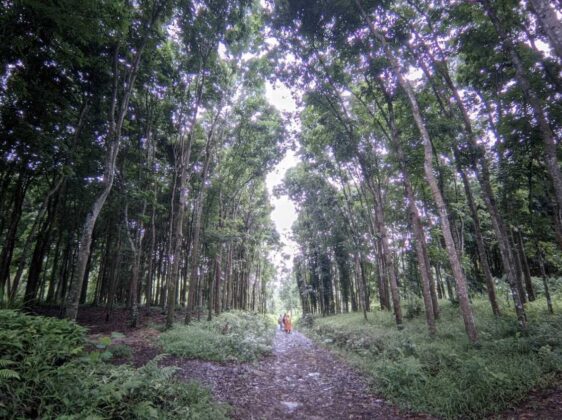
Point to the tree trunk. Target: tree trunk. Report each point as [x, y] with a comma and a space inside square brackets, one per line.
[386, 254]
[150, 256]
[428, 288]
[118, 111]
[490, 286]
[53, 278]
[136, 248]
[480, 165]
[460, 280]
[217, 283]
[197, 222]
[518, 269]
[544, 279]
[177, 233]
[525, 266]
[10, 239]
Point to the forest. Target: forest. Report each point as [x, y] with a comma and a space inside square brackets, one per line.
[137, 137]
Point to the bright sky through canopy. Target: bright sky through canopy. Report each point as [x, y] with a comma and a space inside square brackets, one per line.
[284, 213]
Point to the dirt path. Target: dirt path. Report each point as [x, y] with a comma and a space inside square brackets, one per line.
[299, 381]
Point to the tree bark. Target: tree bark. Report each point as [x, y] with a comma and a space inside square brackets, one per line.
[10, 239]
[525, 267]
[429, 295]
[198, 216]
[483, 257]
[136, 247]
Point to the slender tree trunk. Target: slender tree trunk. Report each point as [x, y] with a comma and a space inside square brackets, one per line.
[361, 284]
[518, 269]
[458, 274]
[150, 256]
[177, 235]
[217, 284]
[52, 281]
[544, 279]
[197, 222]
[84, 293]
[481, 167]
[386, 254]
[460, 280]
[118, 111]
[113, 279]
[525, 267]
[490, 286]
[136, 247]
[11, 235]
[428, 288]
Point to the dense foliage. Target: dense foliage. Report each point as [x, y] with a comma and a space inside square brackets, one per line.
[53, 378]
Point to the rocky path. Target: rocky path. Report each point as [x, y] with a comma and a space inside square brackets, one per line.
[299, 381]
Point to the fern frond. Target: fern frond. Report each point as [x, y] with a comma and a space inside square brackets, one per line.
[8, 374]
[6, 362]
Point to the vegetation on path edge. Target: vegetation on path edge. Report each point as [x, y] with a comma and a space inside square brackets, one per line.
[46, 372]
[232, 336]
[446, 376]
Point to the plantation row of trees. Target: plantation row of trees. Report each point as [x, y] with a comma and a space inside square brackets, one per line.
[135, 142]
[430, 152]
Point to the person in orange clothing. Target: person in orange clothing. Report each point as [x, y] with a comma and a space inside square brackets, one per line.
[287, 324]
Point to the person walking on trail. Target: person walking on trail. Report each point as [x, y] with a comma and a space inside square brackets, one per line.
[280, 322]
[288, 326]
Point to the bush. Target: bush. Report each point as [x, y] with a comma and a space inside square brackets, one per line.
[307, 321]
[120, 351]
[446, 376]
[232, 335]
[50, 376]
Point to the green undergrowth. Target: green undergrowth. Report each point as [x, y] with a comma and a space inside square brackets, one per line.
[232, 336]
[45, 372]
[445, 376]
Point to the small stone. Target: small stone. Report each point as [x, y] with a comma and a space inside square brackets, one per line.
[290, 405]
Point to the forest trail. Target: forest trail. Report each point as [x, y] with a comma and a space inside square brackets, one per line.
[300, 380]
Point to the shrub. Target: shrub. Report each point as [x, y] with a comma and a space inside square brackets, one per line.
[233, 335]
[307, 321]
[120, 351]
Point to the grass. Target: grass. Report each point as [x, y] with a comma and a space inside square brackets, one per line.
[232, 336]
[445, 376]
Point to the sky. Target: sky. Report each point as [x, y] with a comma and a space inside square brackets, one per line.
[284, 213]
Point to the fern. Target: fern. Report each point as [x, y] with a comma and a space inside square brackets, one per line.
[6, 362]
[6, 374]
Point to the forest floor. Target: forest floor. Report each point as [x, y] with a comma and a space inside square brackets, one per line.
[300, 380]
